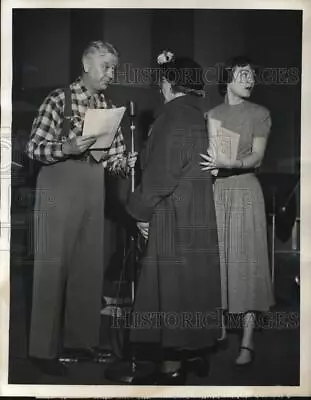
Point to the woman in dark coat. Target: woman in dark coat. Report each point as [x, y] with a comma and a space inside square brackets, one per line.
[178, 294]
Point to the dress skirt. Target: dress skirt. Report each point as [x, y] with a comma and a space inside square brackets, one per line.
[242, 232]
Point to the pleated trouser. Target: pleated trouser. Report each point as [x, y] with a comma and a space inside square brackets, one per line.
[68, 257]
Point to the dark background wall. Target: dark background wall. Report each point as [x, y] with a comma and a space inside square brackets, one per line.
[47, 47]
[48, 44]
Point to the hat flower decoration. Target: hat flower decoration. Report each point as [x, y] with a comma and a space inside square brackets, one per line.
[165, 57]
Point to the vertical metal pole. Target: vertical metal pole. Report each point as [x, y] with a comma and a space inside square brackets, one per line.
[294, 236]
[273, 249]
[132, 150]
[132, 189]
[133, 363]
[273, 241]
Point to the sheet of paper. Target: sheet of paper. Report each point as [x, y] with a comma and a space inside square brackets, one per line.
[102, 123]
[229, 143]
[213, 126]
[222, 141]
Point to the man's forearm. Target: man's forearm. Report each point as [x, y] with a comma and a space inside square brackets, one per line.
[45, 152]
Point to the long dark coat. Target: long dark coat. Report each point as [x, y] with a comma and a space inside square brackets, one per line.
[180, 273]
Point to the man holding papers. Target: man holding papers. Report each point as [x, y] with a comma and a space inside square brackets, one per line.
[69, 210]
[241, 129]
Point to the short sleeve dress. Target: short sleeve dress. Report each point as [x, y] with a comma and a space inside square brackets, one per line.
[241, 220]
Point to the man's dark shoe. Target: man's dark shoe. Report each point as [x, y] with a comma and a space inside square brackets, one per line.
[105, 356]
[52, 367]
[91, 354]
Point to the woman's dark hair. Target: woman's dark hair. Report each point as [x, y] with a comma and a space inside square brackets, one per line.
[184, 74]
[228, 70]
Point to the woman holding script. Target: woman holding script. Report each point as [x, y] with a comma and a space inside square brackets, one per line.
[240, 207]
[178, 297]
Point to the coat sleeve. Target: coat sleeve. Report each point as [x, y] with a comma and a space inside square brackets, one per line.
[164, 167]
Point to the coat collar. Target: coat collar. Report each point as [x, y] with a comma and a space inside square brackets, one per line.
[187, 100]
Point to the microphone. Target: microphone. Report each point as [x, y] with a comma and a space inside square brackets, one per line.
[132, 112]
[132, 109]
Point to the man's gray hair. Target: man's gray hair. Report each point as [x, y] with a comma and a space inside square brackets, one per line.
[99, 46]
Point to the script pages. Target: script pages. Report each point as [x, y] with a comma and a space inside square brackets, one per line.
[222, 142]
[104, 124]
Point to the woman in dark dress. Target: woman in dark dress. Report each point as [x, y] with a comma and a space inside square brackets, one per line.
[179, 283]
[240, 206]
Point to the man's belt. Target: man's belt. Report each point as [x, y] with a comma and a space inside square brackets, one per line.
[87, 158]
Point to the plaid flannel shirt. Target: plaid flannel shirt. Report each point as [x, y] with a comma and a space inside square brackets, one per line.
[45, 144]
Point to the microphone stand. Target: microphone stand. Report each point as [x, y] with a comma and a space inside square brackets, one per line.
[273, 240]
[130, 371]
[273, 236]
[282, 208]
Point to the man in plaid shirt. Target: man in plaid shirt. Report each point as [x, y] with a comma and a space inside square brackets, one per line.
[69, 215]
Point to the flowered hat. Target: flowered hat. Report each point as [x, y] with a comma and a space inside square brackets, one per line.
[182, 72]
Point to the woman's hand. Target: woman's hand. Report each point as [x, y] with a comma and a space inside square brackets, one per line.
[143, 227]
[210, 162]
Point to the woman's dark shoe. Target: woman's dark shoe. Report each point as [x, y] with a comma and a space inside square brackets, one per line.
[249, 362]
[174, 378]
[200, 366]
